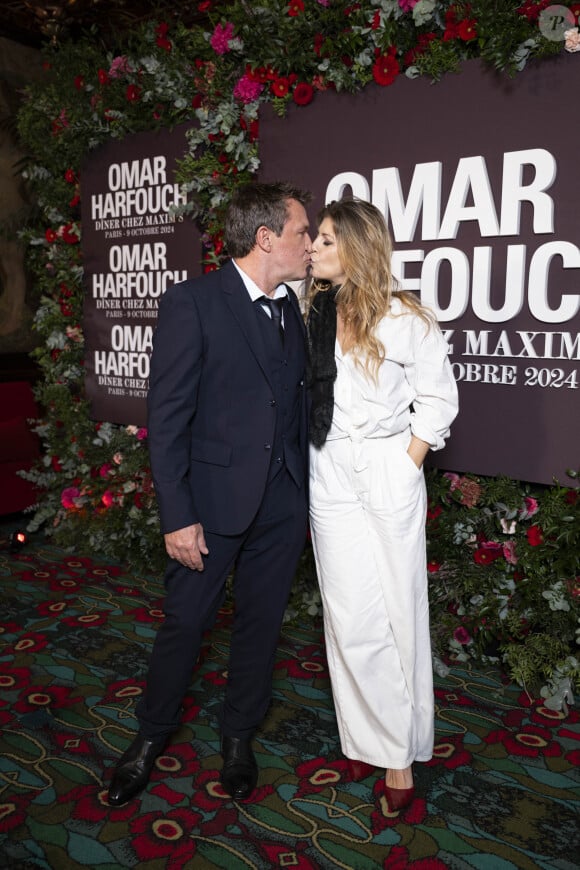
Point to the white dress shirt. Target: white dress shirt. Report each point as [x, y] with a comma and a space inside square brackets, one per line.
[415, 385]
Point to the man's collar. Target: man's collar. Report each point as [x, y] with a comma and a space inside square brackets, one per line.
[253, 289]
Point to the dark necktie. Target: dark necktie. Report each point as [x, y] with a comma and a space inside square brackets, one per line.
[275, 306]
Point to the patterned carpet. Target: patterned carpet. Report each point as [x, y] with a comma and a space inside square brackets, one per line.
[502, 791]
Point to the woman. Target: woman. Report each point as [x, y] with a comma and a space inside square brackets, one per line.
[382, 395]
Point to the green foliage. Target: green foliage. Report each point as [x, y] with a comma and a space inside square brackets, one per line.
[504, 571]
[97, 490]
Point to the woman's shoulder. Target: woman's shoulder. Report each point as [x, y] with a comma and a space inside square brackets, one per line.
[399, 307]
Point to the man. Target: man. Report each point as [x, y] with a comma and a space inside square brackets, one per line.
[227, 440]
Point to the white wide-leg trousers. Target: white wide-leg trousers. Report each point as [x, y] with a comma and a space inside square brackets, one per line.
[368, 509]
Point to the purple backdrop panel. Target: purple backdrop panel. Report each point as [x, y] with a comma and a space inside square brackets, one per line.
[133, 250]
[477, 176]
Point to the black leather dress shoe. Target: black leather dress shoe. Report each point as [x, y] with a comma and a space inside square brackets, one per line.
[240, 771]
[133, 770]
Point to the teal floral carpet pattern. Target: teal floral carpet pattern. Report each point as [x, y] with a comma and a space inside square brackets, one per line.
[501, 792]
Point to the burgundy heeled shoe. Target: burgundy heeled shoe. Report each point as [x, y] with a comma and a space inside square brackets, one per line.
[398, 798]
[359, 770]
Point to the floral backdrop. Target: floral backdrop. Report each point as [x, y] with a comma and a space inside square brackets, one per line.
[503, 556]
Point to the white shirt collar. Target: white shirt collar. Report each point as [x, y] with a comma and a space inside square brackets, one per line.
[279, 293]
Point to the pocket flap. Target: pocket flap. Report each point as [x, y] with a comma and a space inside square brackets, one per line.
[213, 452]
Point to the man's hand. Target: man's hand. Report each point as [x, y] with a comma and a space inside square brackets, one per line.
[187, 546]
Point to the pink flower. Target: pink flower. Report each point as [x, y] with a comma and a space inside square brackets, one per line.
[117, 458]
[323, 2]
[119, 66]
[104, 470]
[509, 552]
[221, 37]
[461, 635]
[247, 90]
[141, 434]
[69, 497]
[107, 498]
[572, 38]
[491, 545]
[407, 5]
[529, 509]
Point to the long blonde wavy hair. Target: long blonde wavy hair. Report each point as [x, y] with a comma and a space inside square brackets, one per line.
[364, 250]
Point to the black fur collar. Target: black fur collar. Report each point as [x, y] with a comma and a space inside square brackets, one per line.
[321, 328]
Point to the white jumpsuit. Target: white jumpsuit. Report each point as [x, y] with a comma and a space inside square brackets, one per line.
[368, 510]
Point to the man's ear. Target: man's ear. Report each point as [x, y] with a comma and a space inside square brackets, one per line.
[264, 239]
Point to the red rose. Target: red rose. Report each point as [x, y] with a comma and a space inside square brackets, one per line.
[532, 8]
[433, 567]
[161, 40]
[69, 235]
[295, 7]
[50, 235]
[461, 635]
[467, 29]
[204, 5]
[133, 93]
[485, 556]
[385, 69]
[70, 176]
[103, 77]
[535, 536]
[280, 87]
[79, 83]
[303, 94]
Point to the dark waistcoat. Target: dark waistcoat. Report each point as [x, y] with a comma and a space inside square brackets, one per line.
[287, 371]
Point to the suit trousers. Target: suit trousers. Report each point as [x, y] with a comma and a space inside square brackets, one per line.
[265, 558]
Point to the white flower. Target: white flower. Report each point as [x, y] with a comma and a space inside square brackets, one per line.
[555, 596]
[572, 38]
[507, 528]
[423, 12]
